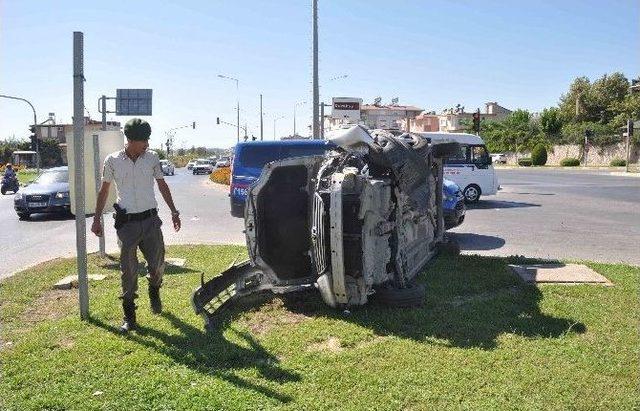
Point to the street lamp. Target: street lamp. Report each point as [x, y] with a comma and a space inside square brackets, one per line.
[237, 103]
[274, 125]
[35, 124]
[294, 115]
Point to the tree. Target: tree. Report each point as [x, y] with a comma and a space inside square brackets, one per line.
[551, 123]
[602, 134]
[50, 153]
[594, 102]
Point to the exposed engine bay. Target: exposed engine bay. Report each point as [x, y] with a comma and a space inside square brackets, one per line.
[364, 219]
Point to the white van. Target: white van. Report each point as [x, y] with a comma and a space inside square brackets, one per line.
[471, 168]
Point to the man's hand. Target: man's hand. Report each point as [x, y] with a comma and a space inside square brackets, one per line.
[96, 227]
[176, 222]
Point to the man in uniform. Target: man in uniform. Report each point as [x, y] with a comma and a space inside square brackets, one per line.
[137, 223]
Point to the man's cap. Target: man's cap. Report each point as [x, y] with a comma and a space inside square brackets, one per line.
[137, 129]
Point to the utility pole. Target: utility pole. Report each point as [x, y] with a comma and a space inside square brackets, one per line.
[261, 124]
[237, 103]
[629, 135]
[316, 90]
[322, 120]
[35, 124]
[78, 153]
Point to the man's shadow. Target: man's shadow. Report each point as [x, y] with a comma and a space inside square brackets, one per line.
[211, 353]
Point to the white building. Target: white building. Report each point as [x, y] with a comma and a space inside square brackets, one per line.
[350, 110]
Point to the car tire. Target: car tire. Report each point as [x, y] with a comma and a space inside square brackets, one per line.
[24, 216]
[471, 194]
[3, 190]
[411, 296]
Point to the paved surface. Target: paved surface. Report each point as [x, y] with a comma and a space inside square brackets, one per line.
[577, 215]
[539, 213]
[204, 209]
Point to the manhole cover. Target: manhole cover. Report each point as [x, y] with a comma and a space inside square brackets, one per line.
[558, 274]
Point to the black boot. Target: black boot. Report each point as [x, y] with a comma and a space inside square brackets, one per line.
[154, 299]
[129, 321]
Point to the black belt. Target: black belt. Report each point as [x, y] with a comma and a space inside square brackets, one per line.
[143, 215]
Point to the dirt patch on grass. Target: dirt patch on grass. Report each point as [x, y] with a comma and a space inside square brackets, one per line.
[52, 305]
[270, 315]
[331, 344]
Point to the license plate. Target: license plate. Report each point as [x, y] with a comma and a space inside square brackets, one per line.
[36, 205]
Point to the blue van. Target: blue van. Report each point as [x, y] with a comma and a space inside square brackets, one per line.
[250, 158]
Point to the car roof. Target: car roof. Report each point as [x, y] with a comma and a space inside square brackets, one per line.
[463, 138]
[286, 143]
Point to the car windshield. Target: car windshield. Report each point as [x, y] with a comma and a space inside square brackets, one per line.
[258, 156]
[50, 177]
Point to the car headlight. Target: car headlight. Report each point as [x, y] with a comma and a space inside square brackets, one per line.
[61, 195]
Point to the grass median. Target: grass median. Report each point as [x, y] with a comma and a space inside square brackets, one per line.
[483, 340]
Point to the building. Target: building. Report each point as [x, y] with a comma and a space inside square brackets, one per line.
[61, 132]
[350, 110]
[424, 122]
[456, 119]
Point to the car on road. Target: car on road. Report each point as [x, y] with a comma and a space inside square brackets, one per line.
[202, 166]
[453, 207]
[190, 164]
[223, 162]
[471, 167]
[168, 169]
[499, 158]
[49, 193]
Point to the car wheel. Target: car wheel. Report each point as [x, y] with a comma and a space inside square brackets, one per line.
[411, 296]
[3, 190]
[471, 194]
[24, 216]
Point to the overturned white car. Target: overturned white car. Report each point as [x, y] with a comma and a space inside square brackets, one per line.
[362, 220]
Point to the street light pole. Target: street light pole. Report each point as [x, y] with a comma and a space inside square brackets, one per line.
[237, 103]
[316, 90]
[35, 124]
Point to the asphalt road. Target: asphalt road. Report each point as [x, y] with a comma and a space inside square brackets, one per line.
[539, 213]
[557, 214]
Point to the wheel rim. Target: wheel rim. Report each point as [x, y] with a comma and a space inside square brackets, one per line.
[471, 193]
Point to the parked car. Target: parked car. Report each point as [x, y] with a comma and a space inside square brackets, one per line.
[223, 162]
[49, 193]
[202, 166]
[471, 167]
[168, 169]
[453, 207]
[356, 223]
[190, 164]
[499, 158]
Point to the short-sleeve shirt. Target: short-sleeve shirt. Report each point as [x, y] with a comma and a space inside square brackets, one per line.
[134, 179]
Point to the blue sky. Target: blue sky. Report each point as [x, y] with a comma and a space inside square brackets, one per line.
[432, 54]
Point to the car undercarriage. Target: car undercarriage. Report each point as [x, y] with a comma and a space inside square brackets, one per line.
[361, 220]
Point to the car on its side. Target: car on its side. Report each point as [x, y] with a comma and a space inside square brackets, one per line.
[190, 164]
[223, 162]
[202, 166]
[499, 158]
[49, 193]
[168, 169]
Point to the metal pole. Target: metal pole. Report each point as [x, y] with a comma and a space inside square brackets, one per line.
[322, 120]
[35, 124]
[96, 174]
[316, 91]
[78, 148]
[261, 130]
[629, 127]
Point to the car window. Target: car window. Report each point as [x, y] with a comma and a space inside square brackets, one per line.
[258, 156]
[302, 151]
[50, 177]
[479, 154]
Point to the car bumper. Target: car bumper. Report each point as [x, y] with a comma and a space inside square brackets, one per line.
[453, 217]
[52, 207]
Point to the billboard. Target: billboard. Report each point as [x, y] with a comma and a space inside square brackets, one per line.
[133, 101]
[346, 109]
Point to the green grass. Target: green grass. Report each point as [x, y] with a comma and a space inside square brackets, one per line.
[483, 340]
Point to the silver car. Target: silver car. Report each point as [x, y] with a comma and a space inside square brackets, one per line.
[168, 169]
[360, 221]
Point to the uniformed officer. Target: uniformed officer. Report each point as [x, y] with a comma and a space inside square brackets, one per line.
[137, 223]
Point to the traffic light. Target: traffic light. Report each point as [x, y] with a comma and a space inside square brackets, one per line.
[217, 120]
[33, 138]
[194, 125]
[476, 121]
